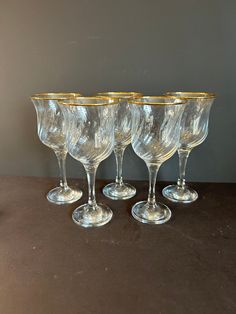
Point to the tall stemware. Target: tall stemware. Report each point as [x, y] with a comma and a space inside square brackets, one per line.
[90, 139]
[51, 132]
[155, 136]
[119, 190]
[194, 130]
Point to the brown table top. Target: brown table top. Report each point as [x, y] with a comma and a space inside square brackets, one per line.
[49, 265]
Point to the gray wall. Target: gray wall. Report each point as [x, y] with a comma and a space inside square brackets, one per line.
[89, 46]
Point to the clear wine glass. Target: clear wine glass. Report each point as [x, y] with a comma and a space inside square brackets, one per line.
[155, 137]
[90, 139]
[119, 190]
[51, 132]
[194, 130]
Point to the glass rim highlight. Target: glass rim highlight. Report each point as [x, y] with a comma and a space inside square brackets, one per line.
[141, 101]
[192, 95]
[54, 95]
[103, 101]
[119, 95]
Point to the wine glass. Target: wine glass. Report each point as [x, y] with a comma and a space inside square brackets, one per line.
[90, 139]
[119, 190]
[155, 137]
[194, 129]
[51, 132]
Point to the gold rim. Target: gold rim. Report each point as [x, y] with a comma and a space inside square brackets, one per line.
[54, 96]
[179, 101]
[104, 101]
[119, 95]
[195, 95]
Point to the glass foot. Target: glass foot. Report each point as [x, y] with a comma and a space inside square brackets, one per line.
[85, 216]
[62, 196]
[119, 192]
[157, 214]
[176, 194]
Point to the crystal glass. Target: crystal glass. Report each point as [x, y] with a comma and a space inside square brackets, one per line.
[119, 190]
[90, 139]
[51, 132]
[194, 129]
[155, 137]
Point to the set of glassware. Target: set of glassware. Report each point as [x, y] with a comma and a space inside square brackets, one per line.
[90, 128]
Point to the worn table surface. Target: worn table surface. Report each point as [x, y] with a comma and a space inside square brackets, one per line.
[49, 265]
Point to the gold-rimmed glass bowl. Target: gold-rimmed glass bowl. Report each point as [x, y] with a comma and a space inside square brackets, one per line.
[51, 132]
[194, 130]
[119, 190]
[155, 137]
[90, 139]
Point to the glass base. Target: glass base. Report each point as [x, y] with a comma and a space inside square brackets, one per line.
[119, 192]
[85, 216]
[157, 214]
[61, 196]
[176, 194]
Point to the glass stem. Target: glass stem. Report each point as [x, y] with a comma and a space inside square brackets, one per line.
[91, 174]
[183, 157]
[119, 154]
[61, 157]
[153, 170]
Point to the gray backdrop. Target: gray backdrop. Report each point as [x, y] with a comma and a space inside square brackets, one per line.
[95, 45]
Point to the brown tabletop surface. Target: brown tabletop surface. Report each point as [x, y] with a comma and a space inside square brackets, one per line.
[49, 265]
